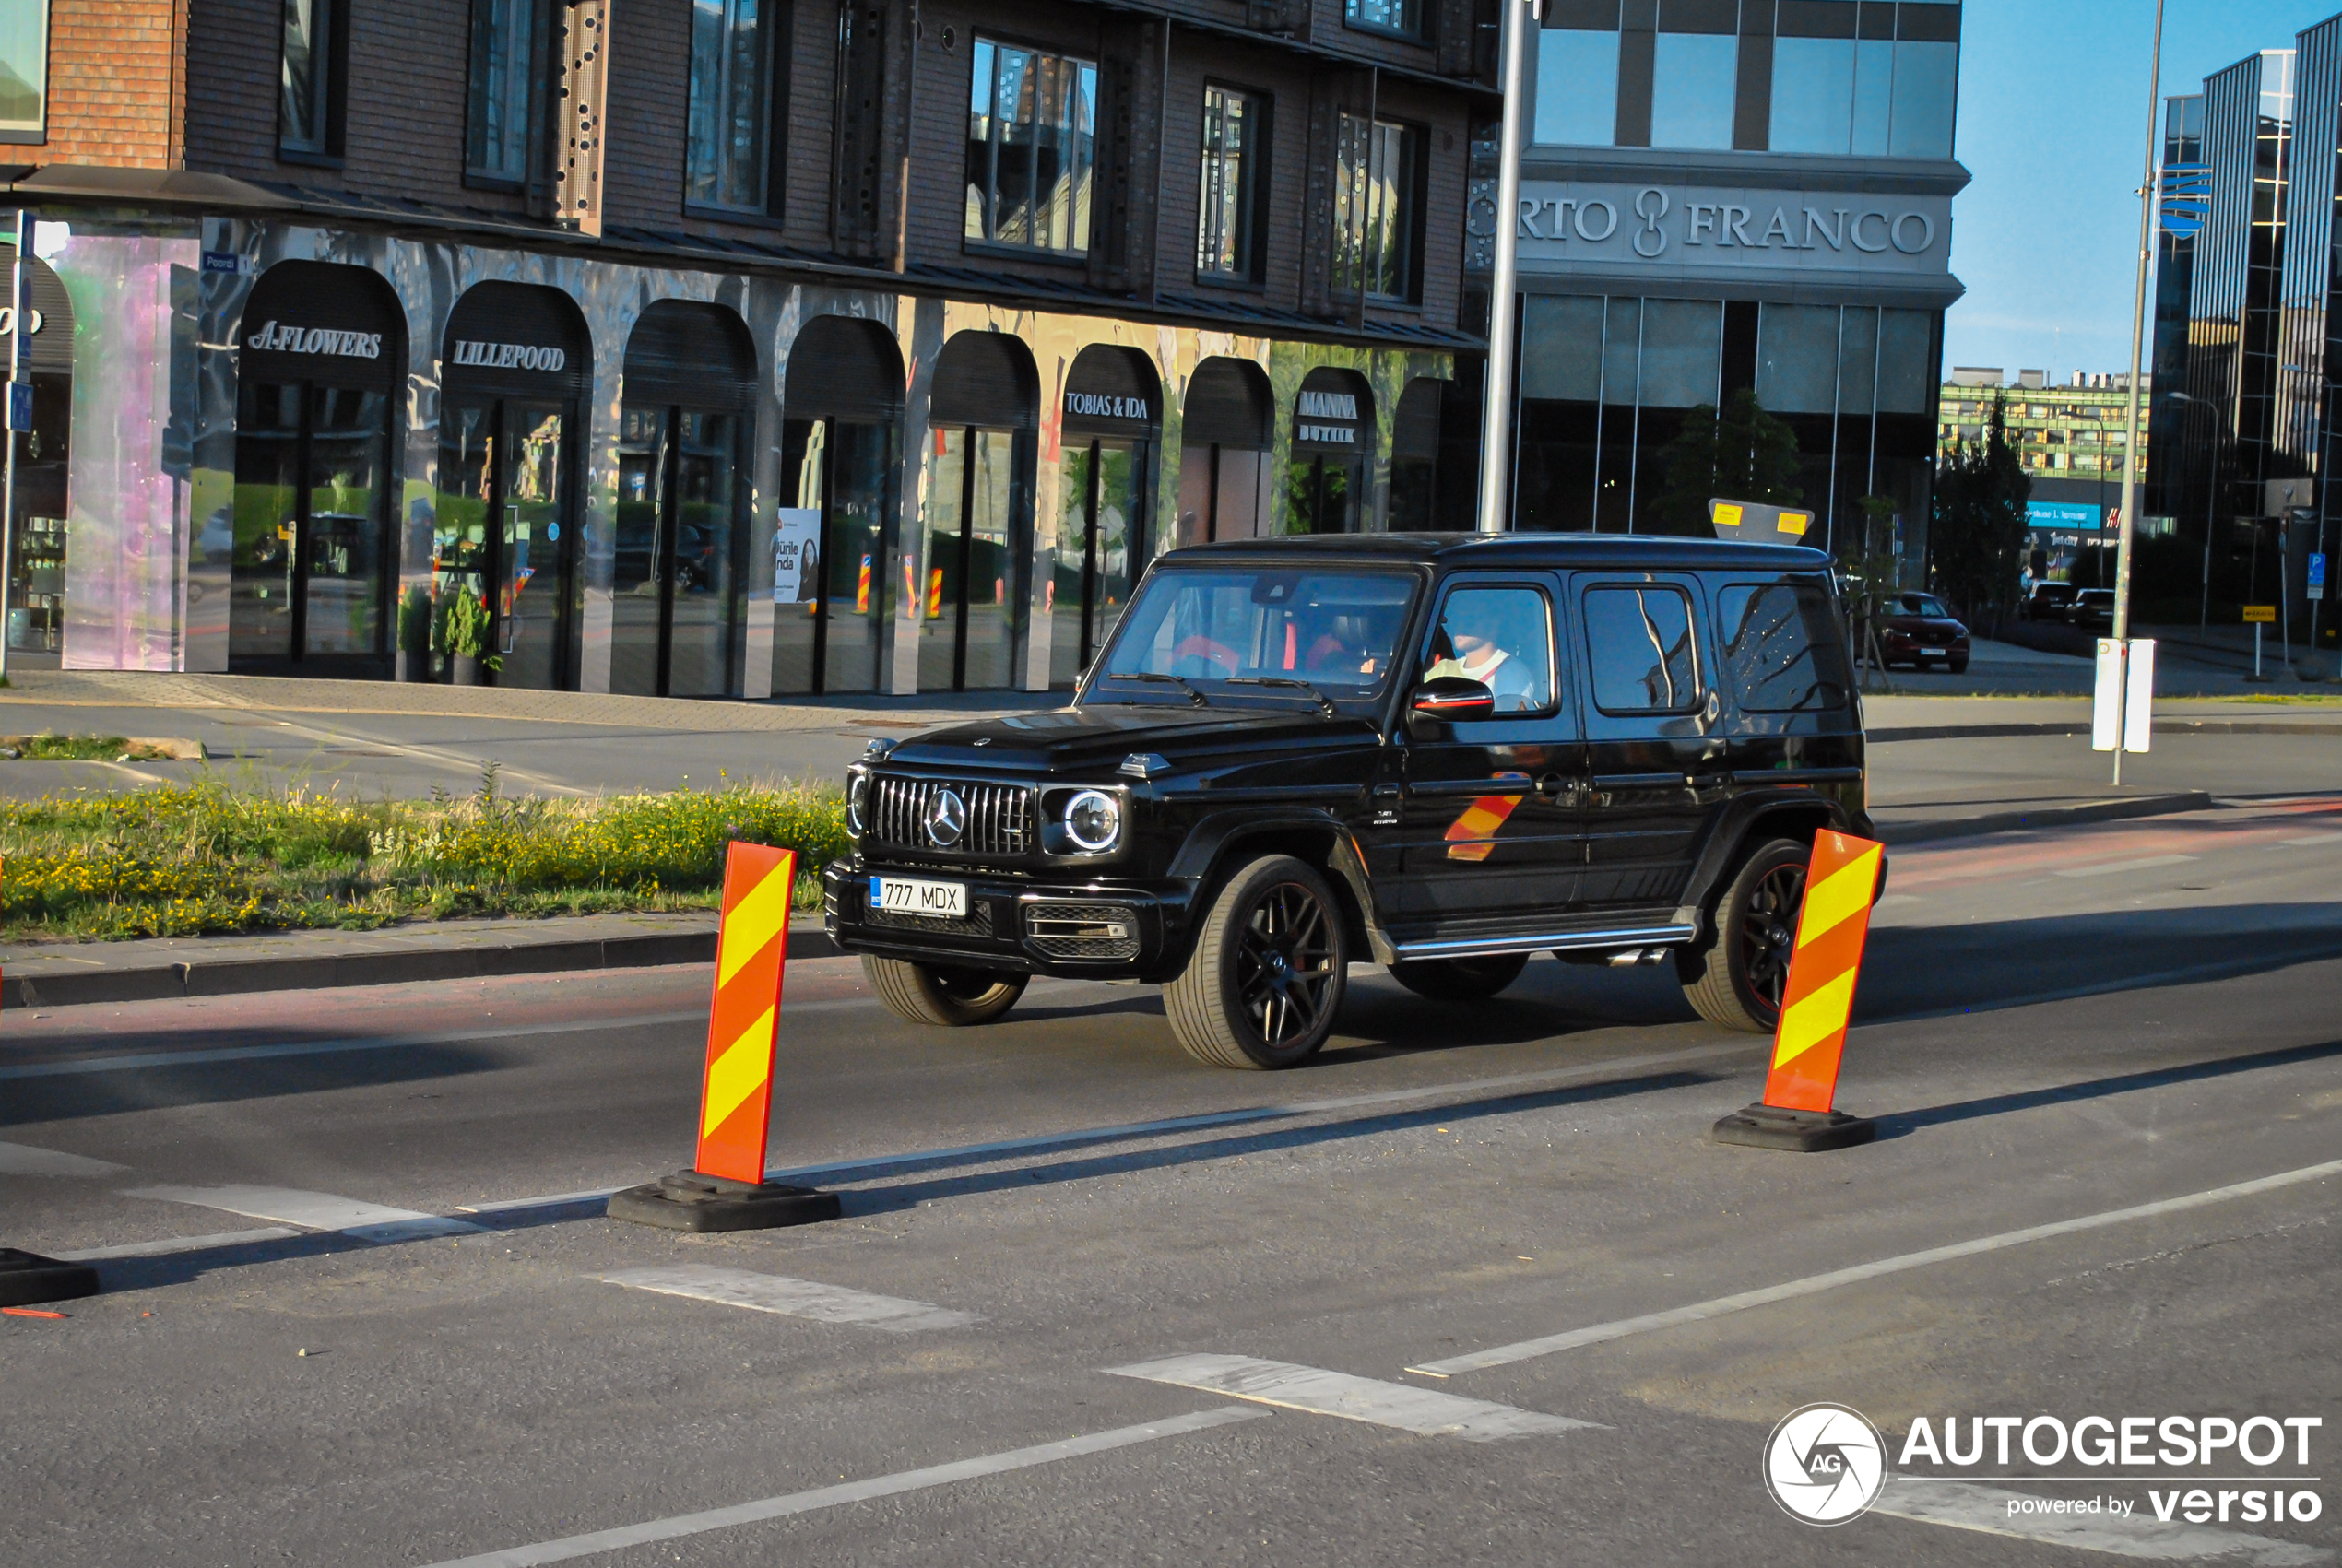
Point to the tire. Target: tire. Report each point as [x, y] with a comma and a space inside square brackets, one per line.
[1737, 980]
[1271, 964]
[939, 993]
[1460, 980]
[1957, 667]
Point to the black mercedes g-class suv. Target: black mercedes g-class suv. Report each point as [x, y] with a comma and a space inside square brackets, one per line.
[1442, 752]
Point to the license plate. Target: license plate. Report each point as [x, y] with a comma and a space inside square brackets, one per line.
[908, 895]
[1933, 654]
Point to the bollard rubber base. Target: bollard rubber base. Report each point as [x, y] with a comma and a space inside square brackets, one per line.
[26, 1277]
[1805, 1132]
[689, 1201]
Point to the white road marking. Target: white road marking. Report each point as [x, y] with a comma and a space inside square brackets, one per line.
[2109, 868]
[1699, 1312]
[316, 1211]
[1310, 1388]
[1891, 900]
[850, 1491]
[171, 1245]
[23, 1159]
[1967, 1506]
[793, 1298]
[549, 1200]
[146, 1060]
[2312, 841]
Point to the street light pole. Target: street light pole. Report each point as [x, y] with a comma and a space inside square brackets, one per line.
[1496, 417]
[2126, 526]
[17, 329]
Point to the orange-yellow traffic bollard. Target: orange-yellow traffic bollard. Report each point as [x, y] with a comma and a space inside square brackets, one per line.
[725, 1189]
[1842, 881]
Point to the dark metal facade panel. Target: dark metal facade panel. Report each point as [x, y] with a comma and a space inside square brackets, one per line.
[700, 355]
[985, 379]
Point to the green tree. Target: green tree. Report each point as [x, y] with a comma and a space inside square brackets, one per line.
[1978, 538]
[1743, 453]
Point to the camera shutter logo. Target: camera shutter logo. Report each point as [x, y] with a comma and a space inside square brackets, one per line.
[1825, 1464]
[947, 818]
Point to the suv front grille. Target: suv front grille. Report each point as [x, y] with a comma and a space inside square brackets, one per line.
[999, 817]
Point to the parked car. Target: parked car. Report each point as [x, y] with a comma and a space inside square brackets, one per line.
[2048, 601]
[2091, 608]
[1922, 631]
[1443, 753]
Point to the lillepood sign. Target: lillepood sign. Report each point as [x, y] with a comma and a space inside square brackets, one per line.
[1759, 522]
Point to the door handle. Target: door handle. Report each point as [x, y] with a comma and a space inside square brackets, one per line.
[1554, 786]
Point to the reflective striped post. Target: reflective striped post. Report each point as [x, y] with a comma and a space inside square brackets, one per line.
[1842, 881]
[725, 1189]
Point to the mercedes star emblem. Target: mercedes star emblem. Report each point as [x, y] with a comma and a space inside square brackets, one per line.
[947, 817]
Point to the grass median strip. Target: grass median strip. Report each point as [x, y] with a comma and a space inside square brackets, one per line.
[209, 855]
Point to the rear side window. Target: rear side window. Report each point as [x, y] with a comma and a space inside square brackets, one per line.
[1783, 647]
[1641, 645]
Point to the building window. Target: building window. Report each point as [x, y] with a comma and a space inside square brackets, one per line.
[1695, 68]
[728, 142]
[308, 110]
[1228, 231]
[1867, 84]
[1403, 18]
[1375, 207]
[1032, 128]
[500, 135]
[1576, 83]
[24, 71]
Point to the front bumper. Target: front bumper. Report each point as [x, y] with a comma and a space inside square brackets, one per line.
[1093, 929]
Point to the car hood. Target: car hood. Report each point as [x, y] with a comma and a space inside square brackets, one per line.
[1922, 622]
[1092, 741]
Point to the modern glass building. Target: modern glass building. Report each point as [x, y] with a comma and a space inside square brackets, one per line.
[2243, 369]
[1722, 195]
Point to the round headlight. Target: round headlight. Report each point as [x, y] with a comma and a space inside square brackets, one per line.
[857, 793]
[1094, 820]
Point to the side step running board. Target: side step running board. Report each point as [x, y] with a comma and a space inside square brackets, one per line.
[1491, 947]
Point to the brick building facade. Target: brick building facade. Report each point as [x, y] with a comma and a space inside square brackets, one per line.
[724, 348]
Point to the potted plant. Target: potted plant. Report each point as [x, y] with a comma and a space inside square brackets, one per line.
[467, 636]
[414, 634]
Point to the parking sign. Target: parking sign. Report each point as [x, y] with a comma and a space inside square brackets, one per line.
[2317, 575]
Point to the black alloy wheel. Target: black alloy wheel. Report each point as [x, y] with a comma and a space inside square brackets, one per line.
[1269, 970]
[1739, 978]
[1283, 965]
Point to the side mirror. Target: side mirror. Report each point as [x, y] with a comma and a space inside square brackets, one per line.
[1448, 698]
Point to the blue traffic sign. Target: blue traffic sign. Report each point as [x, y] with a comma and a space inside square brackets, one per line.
[2317, 570]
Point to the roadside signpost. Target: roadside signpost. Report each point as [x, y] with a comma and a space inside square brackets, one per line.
[2257, 616]
[2122, 714]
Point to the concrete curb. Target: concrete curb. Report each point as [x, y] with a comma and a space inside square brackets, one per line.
[329, 971]
[2047, 817]
[2190, 727]
[476, 961]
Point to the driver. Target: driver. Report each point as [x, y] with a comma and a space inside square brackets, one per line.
[1478, 656]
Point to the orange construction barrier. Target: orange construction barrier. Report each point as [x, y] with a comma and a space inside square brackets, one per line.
[1842, 882]
[725, 1189]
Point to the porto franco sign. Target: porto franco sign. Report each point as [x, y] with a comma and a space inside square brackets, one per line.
[1664, 228]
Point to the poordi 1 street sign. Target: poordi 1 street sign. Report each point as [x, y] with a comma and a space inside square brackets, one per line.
[1757, 522]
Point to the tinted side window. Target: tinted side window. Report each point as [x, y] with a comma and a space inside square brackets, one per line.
[1782, 647]
[1643, 658]
[1501, 637]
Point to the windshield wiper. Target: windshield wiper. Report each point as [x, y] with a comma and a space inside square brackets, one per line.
[1324, 702]
[1195, 698]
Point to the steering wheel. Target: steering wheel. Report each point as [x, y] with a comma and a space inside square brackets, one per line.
[1195, 655]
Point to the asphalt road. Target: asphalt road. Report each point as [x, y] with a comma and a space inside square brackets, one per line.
[2056, 1029]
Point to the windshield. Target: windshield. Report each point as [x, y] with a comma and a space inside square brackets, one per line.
[1926, 604]
[1252, 626]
